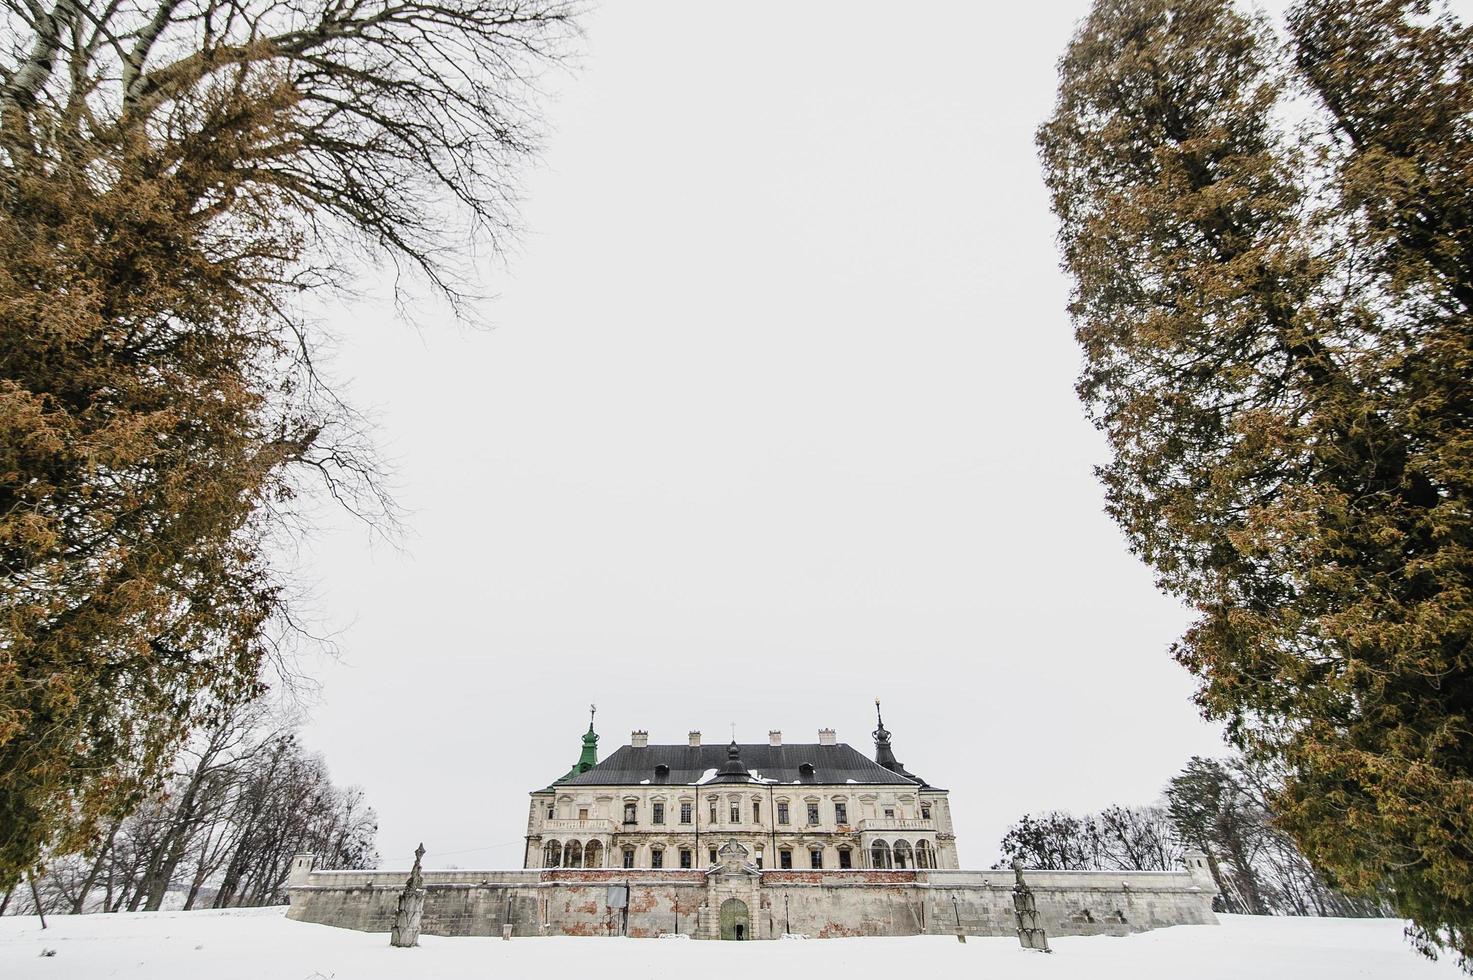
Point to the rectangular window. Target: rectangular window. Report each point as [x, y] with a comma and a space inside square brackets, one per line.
[815, 858]
[841, 813]
[844, 861]
[628, 857]
[889, 813]
[759, 858]
[736, 812]
[713, 812]
[685, 857]
[756, 811]
[782, 812]
[657, 813]
[583, 813]
[630, 812]
[685, 812]
[812, 813]
[925, 811]
[785, 860]
[713, 855]
[657, 859]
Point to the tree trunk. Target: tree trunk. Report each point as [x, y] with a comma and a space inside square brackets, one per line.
[79, 904]
[36, 897]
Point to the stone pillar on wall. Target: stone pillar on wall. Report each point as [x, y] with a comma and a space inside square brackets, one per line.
[1201, 872]
[301, 870]
[708, 925]
[1196, 862]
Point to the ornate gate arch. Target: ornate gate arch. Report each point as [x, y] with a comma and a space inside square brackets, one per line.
[736, 923]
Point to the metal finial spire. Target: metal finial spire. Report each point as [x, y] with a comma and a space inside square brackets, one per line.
[878, 718]
[733, 731]
[592, 710]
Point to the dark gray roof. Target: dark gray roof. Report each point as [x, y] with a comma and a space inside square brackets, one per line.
[630, 766]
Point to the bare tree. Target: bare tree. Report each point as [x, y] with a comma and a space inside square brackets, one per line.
[242, 800]
[1115, 839]
[1225, 808]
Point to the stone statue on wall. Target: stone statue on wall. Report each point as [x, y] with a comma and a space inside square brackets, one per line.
[411, 906]
[1025, 907]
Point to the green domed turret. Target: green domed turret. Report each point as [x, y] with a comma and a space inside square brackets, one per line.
[589, 758]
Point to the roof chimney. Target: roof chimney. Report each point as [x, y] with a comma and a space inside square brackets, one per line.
[695, 739]
[826, 737]
[774, 738]
[639, 738]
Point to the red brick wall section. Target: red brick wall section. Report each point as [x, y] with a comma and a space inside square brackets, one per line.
[617, 876]
[838, 877]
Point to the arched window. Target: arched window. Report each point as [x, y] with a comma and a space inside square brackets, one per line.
[903, 857]
[593, 856]
[879, 855]
[552, 855]
[924, 856]
[573, 855]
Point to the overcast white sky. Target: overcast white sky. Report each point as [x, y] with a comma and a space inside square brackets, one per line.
[776, 418]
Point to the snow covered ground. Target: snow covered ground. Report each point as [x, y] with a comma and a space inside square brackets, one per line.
[262, 943]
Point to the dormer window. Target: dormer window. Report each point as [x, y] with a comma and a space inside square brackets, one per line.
[806, 770]
[662, 772]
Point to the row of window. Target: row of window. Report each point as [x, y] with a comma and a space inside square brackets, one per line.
[784, 815]
[882, 855]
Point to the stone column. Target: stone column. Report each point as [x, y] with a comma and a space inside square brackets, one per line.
[411, 906]
[1025, 907]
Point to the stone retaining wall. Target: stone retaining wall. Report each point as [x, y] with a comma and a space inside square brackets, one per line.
[822, 904]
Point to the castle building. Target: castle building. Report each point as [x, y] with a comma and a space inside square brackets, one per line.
[743, 841]
[794, 806]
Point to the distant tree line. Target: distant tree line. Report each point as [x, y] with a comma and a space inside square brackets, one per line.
[1220, 807]
[242, 798]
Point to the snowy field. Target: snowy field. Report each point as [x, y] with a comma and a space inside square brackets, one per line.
[262, 943]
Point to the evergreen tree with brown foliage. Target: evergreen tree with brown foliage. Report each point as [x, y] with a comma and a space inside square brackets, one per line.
[172, 174]
[1271, 242]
